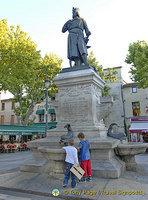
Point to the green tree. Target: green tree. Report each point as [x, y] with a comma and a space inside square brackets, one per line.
[138, 57]
[110, 75]
[23, 71]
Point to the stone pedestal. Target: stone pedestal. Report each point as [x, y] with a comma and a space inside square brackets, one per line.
[79, 104]
[78, 95]
[77, 100]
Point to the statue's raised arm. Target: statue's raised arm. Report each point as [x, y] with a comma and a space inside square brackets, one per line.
[77, 41]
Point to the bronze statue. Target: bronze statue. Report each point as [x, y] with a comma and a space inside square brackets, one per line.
[77, 49]
[118, 135]
[64, 138]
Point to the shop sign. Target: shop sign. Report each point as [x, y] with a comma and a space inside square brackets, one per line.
[9, 133]
[26, 133]
[44, 106]
[139, 119]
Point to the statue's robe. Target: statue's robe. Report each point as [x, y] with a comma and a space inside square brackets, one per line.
[76, 41]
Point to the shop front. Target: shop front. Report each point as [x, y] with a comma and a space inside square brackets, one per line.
[18, 133]
[25, 133]
[139, 129]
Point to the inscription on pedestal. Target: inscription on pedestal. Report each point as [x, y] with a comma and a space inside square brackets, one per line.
[74, 111]
[75, 90]
[78, 96]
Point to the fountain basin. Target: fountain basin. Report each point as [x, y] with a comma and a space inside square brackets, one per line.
[52, 154]
[55, 165]
[104, 161]
[127, 152]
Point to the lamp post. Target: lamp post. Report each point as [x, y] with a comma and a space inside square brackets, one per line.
[47, 85]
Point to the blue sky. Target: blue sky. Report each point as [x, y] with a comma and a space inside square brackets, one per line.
[114, 24]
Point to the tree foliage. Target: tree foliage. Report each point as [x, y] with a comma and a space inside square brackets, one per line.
[110, 75]
[23, 70]
[138, 57]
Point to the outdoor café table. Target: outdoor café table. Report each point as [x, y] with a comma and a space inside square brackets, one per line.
[2, 148]
[6, 149]
[11, 147]
[23, 146]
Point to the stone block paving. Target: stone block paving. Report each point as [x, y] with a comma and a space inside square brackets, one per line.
[25, 186]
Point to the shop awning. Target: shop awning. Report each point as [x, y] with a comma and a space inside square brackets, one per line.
[50, 125]
[9, 133]
[51, 111]
[38, 112]
[35, 129]
[21, 130]
[139, 127]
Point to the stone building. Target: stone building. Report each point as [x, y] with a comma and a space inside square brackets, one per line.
[129, 102]
[135, 102]
[39, 112]
[9, 126]
[117, 110]
[8, 117]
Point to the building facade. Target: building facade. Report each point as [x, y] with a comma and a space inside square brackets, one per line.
[9, 126]
[8, 117]
[116, 114]
[135, 102]
[129, 102]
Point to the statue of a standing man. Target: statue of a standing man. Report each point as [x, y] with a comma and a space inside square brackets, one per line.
[77, 49]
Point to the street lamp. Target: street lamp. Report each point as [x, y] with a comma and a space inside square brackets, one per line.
[47, 85]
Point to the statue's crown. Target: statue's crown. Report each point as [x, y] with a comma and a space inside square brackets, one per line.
[75, 9]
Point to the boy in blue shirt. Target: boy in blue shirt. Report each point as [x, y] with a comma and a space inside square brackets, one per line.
[85, 157]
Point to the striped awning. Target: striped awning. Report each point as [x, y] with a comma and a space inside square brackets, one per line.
[139, 127]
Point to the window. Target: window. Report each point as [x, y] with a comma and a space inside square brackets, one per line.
[2, 119]
[12, 106]
[136, 108]
[3, 106]
[52, 98]
[41, 117]
[53, 116]
[12, 119]
[134, 89]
